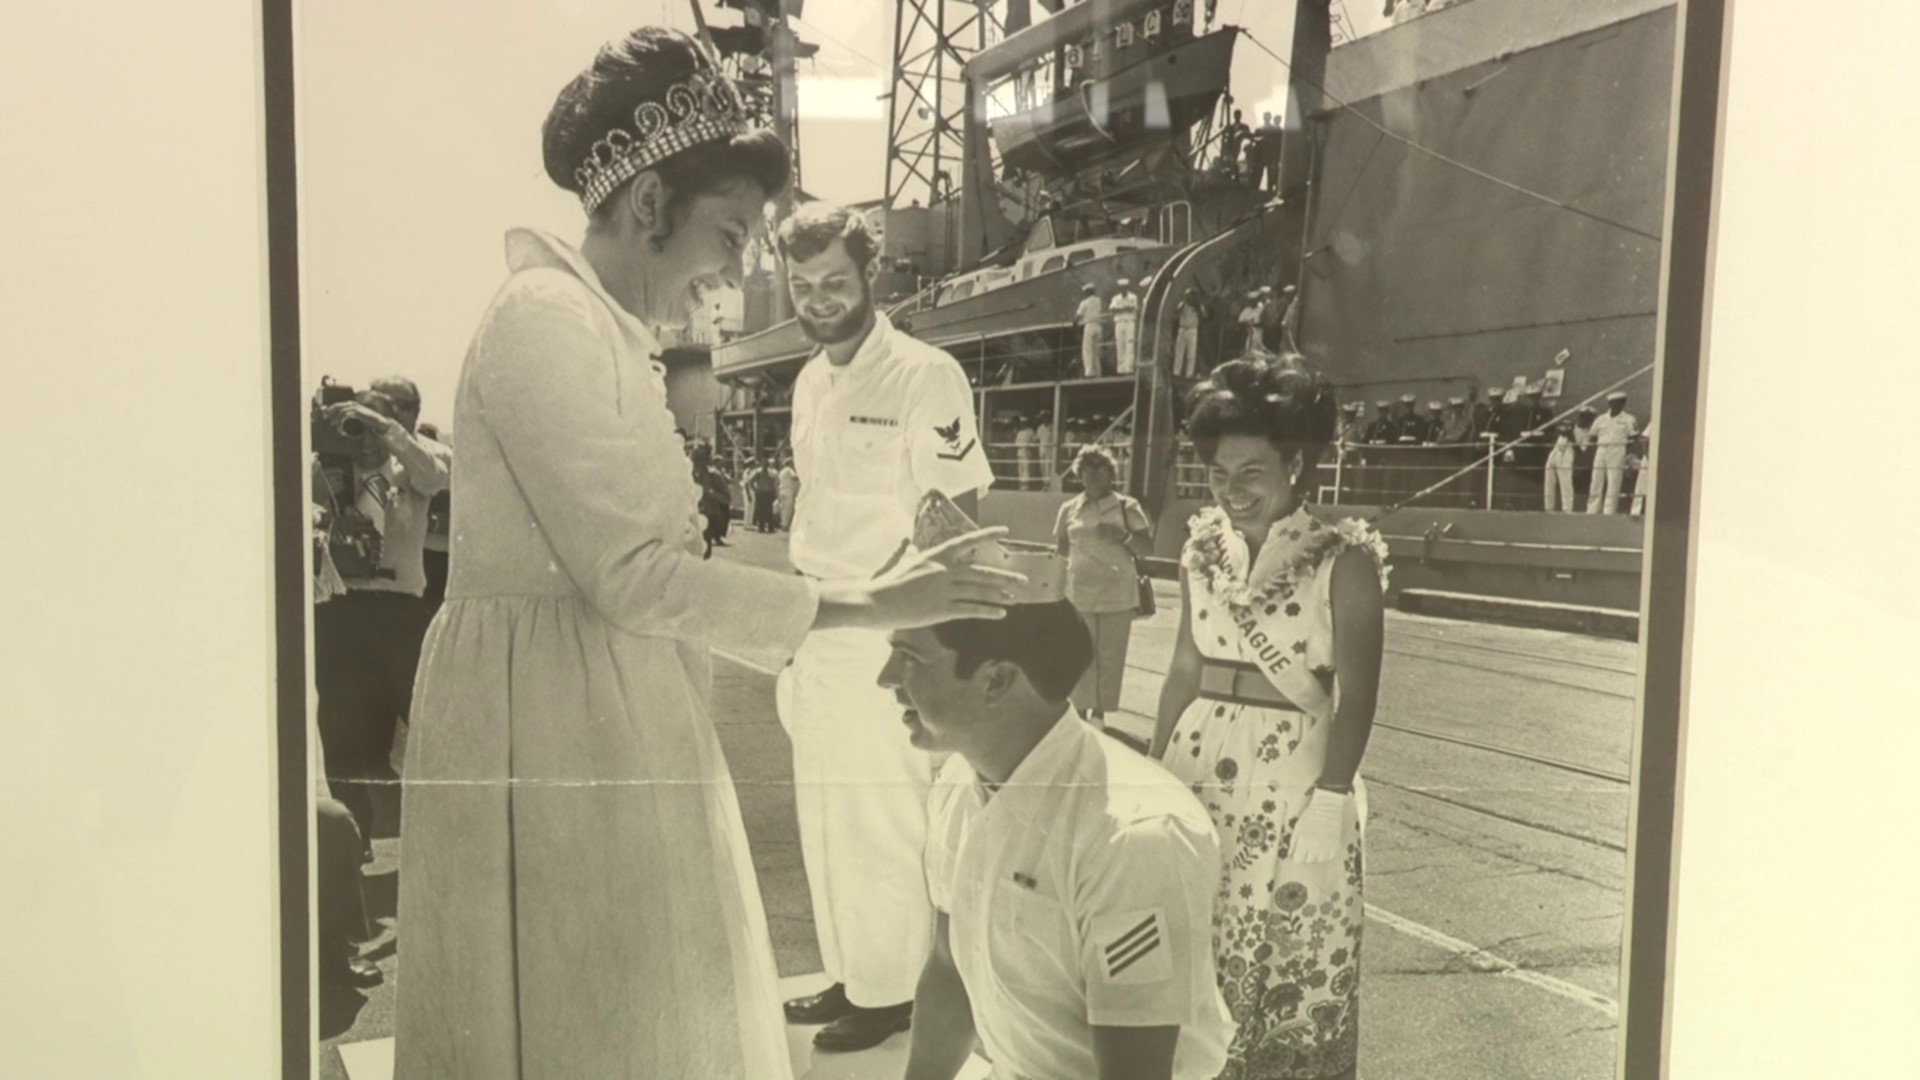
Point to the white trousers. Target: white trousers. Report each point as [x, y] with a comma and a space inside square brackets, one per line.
[1090, 351]
[1609, 473]
[1123, 342]
[1186, 352]
[861, 791]
[1560, 479]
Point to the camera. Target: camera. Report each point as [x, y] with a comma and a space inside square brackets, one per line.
[350, 537]
[353, 541]
[344, 435]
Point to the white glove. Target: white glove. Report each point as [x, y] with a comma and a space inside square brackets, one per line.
[1317, 833]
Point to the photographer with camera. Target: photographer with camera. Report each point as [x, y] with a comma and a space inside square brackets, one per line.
[375, 482]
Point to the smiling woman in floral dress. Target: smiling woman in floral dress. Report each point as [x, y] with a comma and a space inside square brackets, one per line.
[1266, 712]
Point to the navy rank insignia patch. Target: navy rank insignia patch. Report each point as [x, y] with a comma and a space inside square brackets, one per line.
[1133, 947]
[950, 434]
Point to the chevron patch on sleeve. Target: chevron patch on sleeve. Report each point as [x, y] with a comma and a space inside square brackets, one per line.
[1133, 947]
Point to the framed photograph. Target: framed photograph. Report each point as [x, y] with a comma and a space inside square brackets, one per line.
[617, 734]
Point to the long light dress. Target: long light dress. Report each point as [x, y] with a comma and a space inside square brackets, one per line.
[1286, 934]
[576, 895]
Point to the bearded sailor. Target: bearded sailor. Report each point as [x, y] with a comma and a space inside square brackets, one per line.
[878, 419]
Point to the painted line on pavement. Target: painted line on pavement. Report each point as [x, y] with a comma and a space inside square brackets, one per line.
[1480, 959]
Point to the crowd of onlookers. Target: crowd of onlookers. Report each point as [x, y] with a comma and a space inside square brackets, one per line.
[1589, 460]
[768, 485]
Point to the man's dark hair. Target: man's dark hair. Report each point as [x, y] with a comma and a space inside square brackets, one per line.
[814, 227]
[1048, 642]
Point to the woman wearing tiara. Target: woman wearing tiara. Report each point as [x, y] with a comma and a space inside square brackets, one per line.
[576, 894]
[1266, 711]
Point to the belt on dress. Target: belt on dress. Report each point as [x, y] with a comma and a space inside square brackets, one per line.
[1240, 684]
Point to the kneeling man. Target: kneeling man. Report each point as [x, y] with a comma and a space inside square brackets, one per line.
[1073, 879]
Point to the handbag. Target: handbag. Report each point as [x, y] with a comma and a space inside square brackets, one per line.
[1144, 607]
[1143, 604]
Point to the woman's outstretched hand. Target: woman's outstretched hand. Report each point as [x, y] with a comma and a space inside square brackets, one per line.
[917, 590]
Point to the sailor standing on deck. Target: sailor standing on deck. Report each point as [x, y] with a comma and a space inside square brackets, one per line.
[1381, 432]
[1611, 434]
[1486, 413]
[878, 419]
[1290, 318]
[1410, 428]
[1089, 316]
[1643, 473]
[1023, 451]
[1186, 345]
[1045, 449]
[1560, 461]
[1126, 320]
[1456, 428]
[1583, 454]
[1249, 320]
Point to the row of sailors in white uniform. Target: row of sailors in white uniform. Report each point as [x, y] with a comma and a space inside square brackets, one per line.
[1123, 313]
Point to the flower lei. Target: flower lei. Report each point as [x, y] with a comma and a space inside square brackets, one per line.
[1209, 558]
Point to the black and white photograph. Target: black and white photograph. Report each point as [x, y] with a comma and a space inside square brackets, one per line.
[989, 539]
[985, 538]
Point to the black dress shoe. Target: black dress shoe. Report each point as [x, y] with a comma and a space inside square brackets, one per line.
[864, 1029]
[822, 1008]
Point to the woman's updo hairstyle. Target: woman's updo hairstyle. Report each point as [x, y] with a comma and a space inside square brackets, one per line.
[638, 68]
[1277, 398]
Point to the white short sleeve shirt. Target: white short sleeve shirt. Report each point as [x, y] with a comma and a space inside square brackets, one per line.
[1610, 432]
[869, 439]
[1080, 895]
[1088, 313]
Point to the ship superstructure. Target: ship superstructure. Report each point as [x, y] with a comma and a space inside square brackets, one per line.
[1471, 203]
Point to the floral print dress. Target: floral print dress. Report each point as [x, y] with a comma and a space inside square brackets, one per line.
[1286, 935]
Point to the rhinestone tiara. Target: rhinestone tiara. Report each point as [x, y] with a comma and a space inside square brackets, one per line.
[703, 108]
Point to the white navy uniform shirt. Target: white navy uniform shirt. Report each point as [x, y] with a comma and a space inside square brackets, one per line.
[869, 439]
[1088, 313]
[1612, 433]
[1079, 894]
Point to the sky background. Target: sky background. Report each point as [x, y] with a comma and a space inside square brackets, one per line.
[419, 133]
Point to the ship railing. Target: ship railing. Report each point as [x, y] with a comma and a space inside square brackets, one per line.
[1062, 363]
[919, 301]
[1026, 466]
[1366, 474]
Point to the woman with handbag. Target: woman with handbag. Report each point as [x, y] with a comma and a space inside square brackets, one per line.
[1096, 531]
